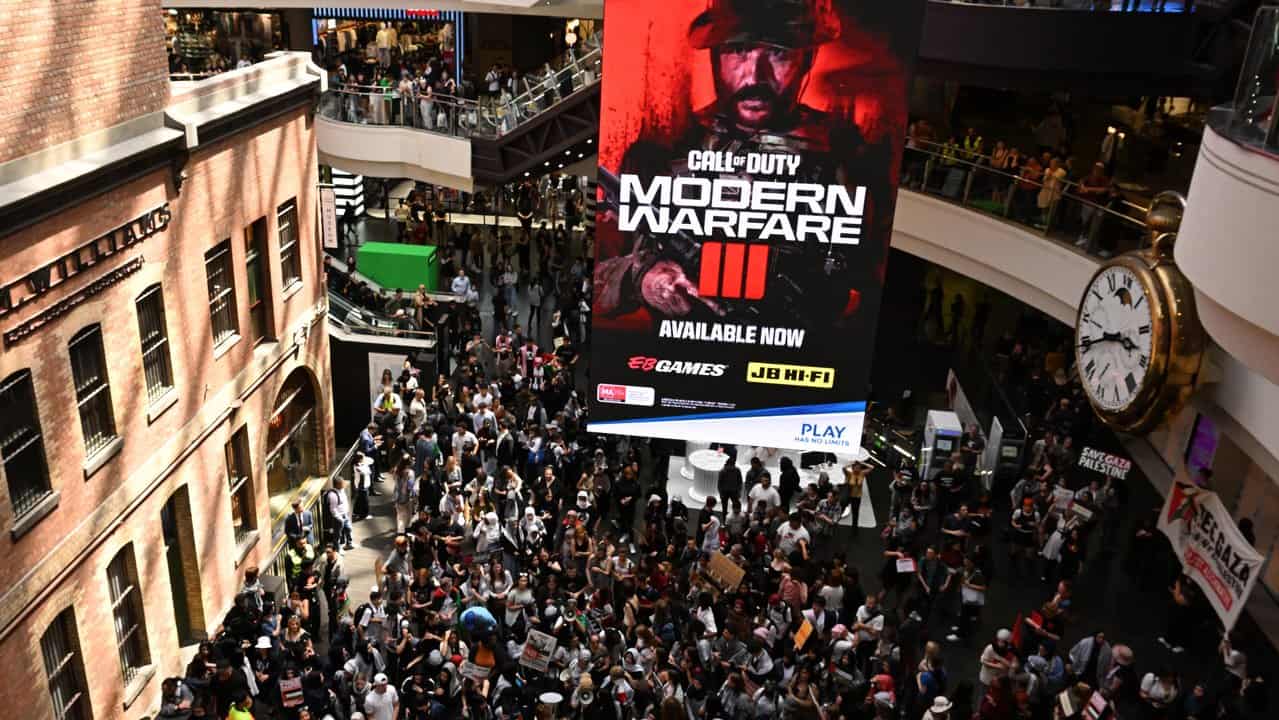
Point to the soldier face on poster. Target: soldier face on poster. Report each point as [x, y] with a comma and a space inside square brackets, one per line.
[748, 164]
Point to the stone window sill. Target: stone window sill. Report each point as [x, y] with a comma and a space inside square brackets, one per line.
[244, 546]
[160, 404]
[292, 289]
[30, 518]
[135, 688]
[102, 457]
[225, 346]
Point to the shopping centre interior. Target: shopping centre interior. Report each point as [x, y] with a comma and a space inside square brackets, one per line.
[396, 454]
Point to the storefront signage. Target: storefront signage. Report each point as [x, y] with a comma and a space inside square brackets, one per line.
[1104, 463]
[46, 277]
[744, 224]
[1211, 549]
[67, 304]
[328, 217]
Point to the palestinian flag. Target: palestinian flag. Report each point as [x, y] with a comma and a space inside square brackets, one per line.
[1182, 503]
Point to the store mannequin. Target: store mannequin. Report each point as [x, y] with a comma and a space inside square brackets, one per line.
[384, 45]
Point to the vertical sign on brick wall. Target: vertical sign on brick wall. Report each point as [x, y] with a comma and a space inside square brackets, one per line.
[748, 172]
[329, 217]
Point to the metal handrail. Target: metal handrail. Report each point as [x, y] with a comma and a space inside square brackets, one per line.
[445, 114]
[505, 115]
[955, 178]
[979, 158]
[455, 116]
[372, 322]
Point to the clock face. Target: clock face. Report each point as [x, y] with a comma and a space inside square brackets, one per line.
[1113, 338]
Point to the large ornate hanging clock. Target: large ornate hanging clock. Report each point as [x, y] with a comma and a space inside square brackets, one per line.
[1138, 341]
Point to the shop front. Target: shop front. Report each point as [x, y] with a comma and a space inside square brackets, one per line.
[206, 42]
[367, 38]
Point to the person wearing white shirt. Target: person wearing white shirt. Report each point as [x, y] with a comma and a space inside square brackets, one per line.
[417, 409]
[461, 284]
[461, 438]
[382, 702]
[793, 537]
[869, 621]
[482, 415]
[710, 528]
[766, 492]
[340, 509]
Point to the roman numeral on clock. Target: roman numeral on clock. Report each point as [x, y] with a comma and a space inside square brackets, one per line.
[1144, 360]
[1144, 330]
[1110, 282]
[1091, 368]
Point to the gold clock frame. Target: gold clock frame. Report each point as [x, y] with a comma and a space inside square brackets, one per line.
[1177, 340]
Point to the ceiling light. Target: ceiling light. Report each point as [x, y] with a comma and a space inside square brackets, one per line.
[568, 152]
[588, 142]
[581, 155]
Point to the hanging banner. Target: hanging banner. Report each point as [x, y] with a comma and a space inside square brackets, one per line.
[329, 217]
[1211, 549]
[749, 152]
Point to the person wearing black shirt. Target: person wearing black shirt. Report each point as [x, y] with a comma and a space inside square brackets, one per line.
[729, 483]
[228, 685]
[951, 487]
[627, 491]
[567, 355]
[958, 526]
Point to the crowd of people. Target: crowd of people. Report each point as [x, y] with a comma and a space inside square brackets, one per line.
[496, 263]
[536, 568]
[1035, 187]
[424, 92]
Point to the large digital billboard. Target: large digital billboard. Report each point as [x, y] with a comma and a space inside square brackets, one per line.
[749, 153]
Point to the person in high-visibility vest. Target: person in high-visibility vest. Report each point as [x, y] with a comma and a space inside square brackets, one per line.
[949, 151]
[972, 145]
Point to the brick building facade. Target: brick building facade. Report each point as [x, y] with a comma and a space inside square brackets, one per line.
[162, 309]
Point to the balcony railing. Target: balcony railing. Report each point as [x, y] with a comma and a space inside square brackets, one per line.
[1100, 224]
[490, 117]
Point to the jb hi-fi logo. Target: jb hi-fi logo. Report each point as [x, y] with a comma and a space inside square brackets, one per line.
[675, 367]
[733, 270]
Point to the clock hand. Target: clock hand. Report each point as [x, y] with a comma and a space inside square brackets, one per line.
[1127, 344]
[1105, 337]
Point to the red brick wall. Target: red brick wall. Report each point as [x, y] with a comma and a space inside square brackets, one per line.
[74, 67]
[230, 184]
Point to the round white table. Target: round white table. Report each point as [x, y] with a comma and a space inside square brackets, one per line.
[702, 467]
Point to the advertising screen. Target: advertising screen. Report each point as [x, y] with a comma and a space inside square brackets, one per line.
[749, 152]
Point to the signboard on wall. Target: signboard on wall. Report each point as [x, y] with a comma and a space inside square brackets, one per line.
[748, 165]
[329, 217]
[1211, 549]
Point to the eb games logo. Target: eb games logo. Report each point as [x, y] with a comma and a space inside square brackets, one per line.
[644, 363]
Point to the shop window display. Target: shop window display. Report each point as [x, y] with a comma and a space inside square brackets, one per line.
[364, 46]
[207, 42]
